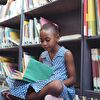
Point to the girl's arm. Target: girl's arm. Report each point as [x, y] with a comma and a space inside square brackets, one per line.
[70, 69]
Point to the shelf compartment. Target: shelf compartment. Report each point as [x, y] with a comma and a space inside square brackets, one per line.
[94, 41]
[10, 52]
[91, 94]
[57, 7]
[13, 22]
[60, 42]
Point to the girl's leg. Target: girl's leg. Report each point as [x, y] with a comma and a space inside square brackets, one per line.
[64, 93]
[8, 96]
[54, 88]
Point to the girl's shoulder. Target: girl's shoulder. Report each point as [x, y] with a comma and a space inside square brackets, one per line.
[63, 50]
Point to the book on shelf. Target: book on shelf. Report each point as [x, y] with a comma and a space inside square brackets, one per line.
[91, 18]
[30, 4]
[9, 37]
[25, 37]
[13, 35]
[70, 37]
[6, 59]
[38, 3]
[26, 5]
[95, 54]
[31, 30]
[33, 70]
[18, 7]
[10, 10]
[28, 32]
[85, 17]
[43, 21]
[97, 3]
[4, 41]
[9, 68]
[1, 36]
[7, 64]
[51, 0]
[37, 27]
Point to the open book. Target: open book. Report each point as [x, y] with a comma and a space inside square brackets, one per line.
[33, 70]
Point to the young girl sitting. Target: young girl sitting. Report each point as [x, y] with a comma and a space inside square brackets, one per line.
[60, 84]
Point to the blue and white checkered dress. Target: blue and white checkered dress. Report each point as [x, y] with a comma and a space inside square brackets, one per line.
[19, 88]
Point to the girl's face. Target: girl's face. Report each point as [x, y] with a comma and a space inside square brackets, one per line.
[48, 40]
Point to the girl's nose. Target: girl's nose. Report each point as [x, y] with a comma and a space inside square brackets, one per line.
[44, 43]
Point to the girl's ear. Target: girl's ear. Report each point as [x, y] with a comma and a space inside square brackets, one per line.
[58, 37]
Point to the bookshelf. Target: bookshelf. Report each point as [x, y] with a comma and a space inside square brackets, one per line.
[68, 14]
[89, 43]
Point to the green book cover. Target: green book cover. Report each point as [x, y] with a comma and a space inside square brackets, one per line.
[37, 71]
[32, 71]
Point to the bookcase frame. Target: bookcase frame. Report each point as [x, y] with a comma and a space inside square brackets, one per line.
[69, 15]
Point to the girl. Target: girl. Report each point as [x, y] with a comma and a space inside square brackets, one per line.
[61, 82]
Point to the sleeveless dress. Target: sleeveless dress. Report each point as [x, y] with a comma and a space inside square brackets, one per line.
[19, 88]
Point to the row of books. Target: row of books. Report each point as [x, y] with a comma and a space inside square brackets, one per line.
[31, 31]
[95, 59]
[30, 4]
[8, 62]
[10, 10]
[91, 17]
[16, 6]
[9, 37]
[31, 69]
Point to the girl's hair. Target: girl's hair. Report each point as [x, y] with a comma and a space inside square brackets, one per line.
[51, 26]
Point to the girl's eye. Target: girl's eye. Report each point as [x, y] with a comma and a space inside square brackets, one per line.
[48, 40]
[41, 41]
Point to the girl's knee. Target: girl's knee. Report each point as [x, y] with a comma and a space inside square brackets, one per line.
[57, 85]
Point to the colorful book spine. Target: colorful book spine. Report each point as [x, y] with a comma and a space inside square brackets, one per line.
[98, 57]
[43, 21]
[85, 18]
[91, 18]
[96, 68]
[97, 3]
[25, 38]
[36, 32]
[31, 36]
[14, 35]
